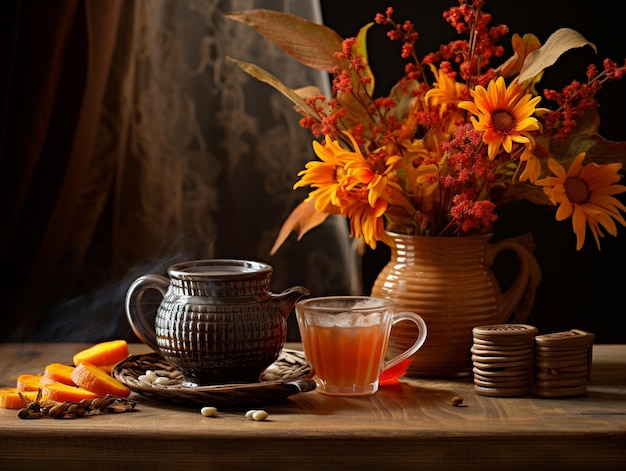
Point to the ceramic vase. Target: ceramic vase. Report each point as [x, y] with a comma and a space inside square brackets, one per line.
[450, 283]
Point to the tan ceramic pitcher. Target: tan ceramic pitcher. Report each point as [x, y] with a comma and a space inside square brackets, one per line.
[217, 321]
[448, 281]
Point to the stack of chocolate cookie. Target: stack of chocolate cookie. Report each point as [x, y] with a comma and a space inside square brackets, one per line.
[563, 363]
[502, 357]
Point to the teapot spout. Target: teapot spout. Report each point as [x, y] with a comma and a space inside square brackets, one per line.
[288, 298]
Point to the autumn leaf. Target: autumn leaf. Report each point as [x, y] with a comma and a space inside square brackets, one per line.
[301, 220]
[559, 42]
[265, 77]
[597, 149]
[312, 44]
[522, 47]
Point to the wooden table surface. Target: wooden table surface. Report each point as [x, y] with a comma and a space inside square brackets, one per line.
[411, 426]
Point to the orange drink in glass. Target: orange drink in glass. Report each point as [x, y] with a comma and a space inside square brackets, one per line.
[345, 339]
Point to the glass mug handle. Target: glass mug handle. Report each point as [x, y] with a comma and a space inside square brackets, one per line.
[422, 332]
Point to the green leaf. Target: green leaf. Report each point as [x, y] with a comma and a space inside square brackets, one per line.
[559, 42]
[360, 49]
[312, 44]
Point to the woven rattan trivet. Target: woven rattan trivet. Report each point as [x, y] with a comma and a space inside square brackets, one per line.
[290, 374]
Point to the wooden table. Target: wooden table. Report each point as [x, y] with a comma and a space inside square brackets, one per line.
[412, 426]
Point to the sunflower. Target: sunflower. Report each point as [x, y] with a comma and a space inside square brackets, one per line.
[584, 192]
[445, 95]
[504, 114]
[326, 175]
[376, 173]
[357, 187]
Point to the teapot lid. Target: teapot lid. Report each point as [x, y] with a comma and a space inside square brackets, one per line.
[217, 268]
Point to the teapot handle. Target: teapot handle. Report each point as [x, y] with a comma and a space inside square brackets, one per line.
[134, 310]
[520, 296]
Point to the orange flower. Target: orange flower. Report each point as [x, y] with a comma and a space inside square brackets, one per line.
[532, 170]
[359, 188]
[446, 95]
[504, 114]
[327, 175]
[584, 193]
[366, 221]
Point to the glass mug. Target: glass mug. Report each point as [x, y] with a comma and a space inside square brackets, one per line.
[345, 339]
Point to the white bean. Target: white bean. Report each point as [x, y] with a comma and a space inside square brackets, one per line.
[260, 415]
[250, 413]
[151, 375]
[208, 411]
[162, 380]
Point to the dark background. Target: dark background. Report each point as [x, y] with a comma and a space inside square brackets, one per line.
[583, 290]
[579, 290]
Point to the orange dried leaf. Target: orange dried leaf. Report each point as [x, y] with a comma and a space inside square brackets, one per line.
[94, 379]
[312, 44]
[103, 354]
[265, 77]
[522, 46]
[301, 220]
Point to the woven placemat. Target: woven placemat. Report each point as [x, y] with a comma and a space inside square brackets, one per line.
[152, 376]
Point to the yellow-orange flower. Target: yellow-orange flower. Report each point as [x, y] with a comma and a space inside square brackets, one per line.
[504, 114]
[359, 188]
[585, 192]
[326, 175]
[373, 172]
[532, 169]
[366, 221]
[445, 95]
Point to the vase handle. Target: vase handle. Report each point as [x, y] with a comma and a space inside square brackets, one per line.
[520, 296]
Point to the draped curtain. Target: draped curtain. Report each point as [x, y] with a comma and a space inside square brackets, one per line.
[130, 143]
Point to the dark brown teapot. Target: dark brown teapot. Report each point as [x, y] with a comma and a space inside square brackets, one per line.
[217, 321]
